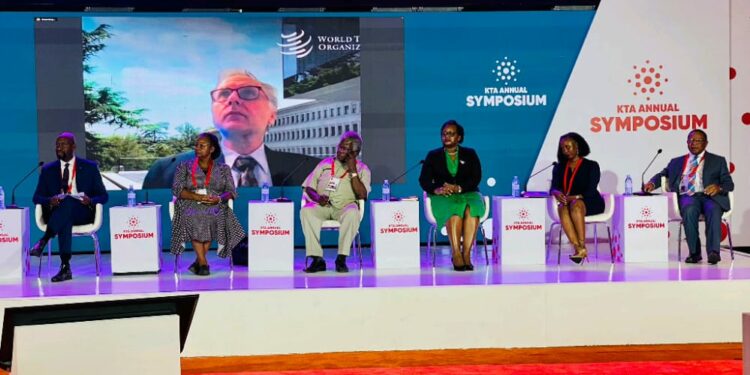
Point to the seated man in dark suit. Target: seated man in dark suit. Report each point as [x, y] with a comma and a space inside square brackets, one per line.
[68, 190]
[243, 109]
[702, 181]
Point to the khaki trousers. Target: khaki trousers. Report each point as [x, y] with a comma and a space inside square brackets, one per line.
[313, 216]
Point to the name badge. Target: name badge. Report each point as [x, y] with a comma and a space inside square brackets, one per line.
[333, 184]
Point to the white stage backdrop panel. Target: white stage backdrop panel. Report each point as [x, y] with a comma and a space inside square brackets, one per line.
[740, 121]
[648, 73]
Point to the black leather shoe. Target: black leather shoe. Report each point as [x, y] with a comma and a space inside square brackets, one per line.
[194, 268]
[38, 248]
[64, 274]
[714, 257]
[692, 259]
[317, 265]
[204, 270]
[341, 264]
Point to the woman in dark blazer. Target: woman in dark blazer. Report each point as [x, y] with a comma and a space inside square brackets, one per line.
[450, 176]
[574, 186]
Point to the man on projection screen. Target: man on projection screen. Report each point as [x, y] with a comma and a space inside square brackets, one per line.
[243, 109]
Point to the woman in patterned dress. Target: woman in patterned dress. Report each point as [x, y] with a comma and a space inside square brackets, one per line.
[202, 187]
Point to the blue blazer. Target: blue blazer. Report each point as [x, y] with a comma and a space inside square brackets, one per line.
[715, 171]
[88, 180]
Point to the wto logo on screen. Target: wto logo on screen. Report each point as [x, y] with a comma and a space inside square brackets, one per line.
[296, 44]
[505, 90]
[300, 44]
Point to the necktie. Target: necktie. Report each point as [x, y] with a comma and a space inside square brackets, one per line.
[65, 178]
[245, 165]
[692, 175]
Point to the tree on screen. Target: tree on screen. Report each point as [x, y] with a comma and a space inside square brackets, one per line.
[107, 106]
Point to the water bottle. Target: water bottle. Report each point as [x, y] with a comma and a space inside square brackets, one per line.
[515, 187]
[264, 192]
[386, 191]
[628, 185]
[2, 198]
[131, 196]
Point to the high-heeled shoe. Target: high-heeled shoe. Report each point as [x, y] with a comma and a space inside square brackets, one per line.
[458, 263]
[467, 263]
[580, 255]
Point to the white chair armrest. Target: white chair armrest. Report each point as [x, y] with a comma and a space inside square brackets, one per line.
[39, 219]
[486, 213]
[428, 209]
[98, 217]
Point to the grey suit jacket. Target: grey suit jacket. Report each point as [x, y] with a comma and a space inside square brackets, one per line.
[715, 171]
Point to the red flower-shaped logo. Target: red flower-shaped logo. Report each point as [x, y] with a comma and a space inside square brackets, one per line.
[398, 216]
[271, 219]
[646, 212]
[133, 221]
[648, 80]
[523, 214]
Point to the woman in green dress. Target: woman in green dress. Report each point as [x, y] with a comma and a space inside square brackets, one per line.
[450, 176]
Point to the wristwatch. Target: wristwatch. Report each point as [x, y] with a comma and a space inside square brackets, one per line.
[354, 174]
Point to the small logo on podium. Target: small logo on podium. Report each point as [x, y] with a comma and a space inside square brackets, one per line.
[133, 221]
[271, 219]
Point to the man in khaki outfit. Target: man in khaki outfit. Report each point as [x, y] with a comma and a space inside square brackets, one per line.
[333, 188]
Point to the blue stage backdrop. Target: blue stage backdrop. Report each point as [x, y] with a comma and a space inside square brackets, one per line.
[499, 74]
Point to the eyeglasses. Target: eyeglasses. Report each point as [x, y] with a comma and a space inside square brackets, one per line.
[244, 92]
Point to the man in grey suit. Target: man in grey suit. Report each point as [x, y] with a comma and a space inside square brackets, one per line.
[243, 108]
[702, 182]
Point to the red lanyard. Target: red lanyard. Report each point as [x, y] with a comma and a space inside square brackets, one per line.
[208, 174]
[72, 178]
[333, 169]
[569, 186]
[687, 159]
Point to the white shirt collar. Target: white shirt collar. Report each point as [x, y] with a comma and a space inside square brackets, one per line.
[259, 155]
[699, 156]
[71, 163]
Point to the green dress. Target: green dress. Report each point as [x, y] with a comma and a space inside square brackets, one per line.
[445, 206]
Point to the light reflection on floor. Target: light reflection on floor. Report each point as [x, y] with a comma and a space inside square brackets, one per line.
[86, 283]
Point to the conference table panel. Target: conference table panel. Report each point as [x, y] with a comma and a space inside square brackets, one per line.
[14, 241]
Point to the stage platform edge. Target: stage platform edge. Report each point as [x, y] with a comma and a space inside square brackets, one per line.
[259, 322]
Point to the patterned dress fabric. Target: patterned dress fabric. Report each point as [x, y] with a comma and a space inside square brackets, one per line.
[201, 222]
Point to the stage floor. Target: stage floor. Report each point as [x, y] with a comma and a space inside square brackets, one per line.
[85, 282]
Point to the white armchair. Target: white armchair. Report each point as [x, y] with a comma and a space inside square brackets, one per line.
[78, 231]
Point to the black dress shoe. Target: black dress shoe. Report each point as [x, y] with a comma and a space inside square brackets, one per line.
[469, 267]
[460, 268]
[692, 259]
[341, 264]
[64, 274]
[714, 257]
[204, 270]
[317, 265]
[38, 248]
